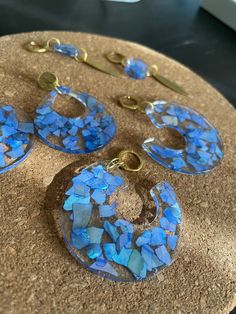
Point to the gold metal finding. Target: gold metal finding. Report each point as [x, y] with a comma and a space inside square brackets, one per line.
[116, 57]
[133, 103]
[153, 71]
[34, 46]
[122, 162]
[48, 81]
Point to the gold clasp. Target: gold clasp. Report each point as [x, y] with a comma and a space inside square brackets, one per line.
[123, 161]
[33, 46]
[133, 103]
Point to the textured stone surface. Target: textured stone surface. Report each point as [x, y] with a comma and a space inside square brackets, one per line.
[38, 275]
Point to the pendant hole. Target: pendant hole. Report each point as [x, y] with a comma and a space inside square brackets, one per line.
[69, 107]
[171, 138]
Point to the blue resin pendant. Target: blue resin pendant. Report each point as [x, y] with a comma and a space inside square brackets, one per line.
[107, 244]
[80, 135]
[16, 137]
[203, 146]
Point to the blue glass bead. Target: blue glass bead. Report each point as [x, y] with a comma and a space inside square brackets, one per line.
[79, 135]
[109, 245]
[66, 49]
[17, 137]
[136, 69]
[198, 155]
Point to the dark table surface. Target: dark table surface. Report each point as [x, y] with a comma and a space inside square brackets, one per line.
[177, 28]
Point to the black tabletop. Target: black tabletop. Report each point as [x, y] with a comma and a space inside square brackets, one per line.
[177, 28]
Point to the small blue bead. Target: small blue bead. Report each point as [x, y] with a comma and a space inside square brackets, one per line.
[136, 69]
[66, 49]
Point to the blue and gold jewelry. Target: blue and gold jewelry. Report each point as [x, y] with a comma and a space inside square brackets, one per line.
[98, 236]
[137, 69]
[16, 137]
[80, 135]
[203, 146]
[77, 53]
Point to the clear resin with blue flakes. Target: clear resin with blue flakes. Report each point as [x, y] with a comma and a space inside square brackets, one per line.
[16, 137]
[203, 146]
[104, 242]
[136, 69]
[84, 134]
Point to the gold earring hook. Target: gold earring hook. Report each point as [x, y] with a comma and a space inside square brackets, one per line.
[133, 103]
[122, 162]
[34, 46]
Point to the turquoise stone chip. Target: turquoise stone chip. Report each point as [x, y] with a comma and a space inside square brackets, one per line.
[81, 189]
[124, 240]
[26, 127]
[99, 196]
[163, 254]
[137, 265]
[81, 215]
[94, 250]
[80, 239]
[110, 250]
[107, 210]
[173, 213]
[158, 236]
[106, 268]
[165, 224]
[167, 194]
[151, 260]
[144, 238]
[84, 176]
[111, 230]
[8, 130]
[125, 225]
[123, 257]
[172, 241]
[95, 234]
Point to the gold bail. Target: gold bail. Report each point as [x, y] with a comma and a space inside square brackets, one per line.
[122, 161]
[48, 81]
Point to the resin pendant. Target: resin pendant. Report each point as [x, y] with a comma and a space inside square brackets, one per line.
[80, 135]
[16, 137]
[203, 146]
[103, 241]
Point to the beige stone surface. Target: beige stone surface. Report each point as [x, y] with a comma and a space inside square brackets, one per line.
[37, 274]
